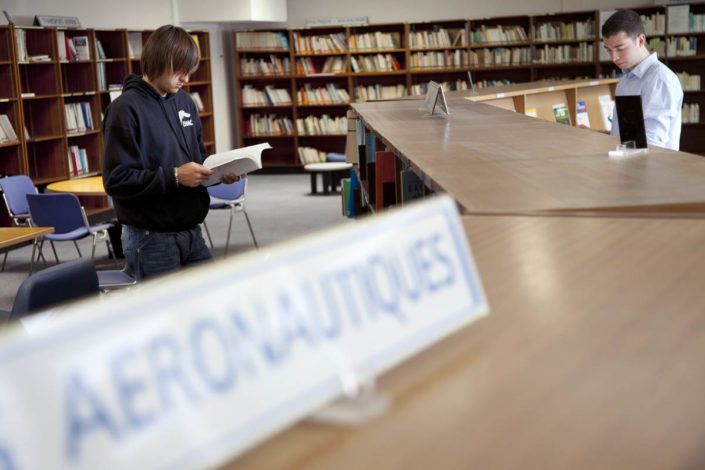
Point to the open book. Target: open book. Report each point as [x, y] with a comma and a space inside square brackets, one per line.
[238, 161]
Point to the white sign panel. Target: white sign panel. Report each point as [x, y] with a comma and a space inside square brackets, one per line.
[189, 372]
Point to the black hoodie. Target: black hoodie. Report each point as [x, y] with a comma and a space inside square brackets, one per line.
[146, 137]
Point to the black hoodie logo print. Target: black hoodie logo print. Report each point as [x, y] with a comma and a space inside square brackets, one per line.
[185, 119]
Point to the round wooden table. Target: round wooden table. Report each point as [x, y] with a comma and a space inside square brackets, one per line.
[90, 186]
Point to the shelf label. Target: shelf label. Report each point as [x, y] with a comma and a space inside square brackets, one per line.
[551, 88]
[205, 363]
[594, 83]
[500, 95]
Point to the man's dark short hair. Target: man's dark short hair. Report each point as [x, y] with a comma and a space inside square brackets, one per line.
[169, 49]
[623, 20]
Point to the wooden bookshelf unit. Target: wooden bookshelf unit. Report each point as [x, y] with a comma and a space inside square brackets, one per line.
[404, 57]
[60, 99]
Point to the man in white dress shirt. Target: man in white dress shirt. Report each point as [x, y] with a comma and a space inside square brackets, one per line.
[644, 75]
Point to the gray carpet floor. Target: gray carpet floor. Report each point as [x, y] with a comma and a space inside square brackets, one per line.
[280, 208]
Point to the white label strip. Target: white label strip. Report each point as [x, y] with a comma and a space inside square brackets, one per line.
[190, 370]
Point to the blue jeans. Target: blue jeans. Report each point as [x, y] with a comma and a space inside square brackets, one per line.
[149, 253]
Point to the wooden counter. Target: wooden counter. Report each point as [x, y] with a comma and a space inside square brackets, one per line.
[494, 161]
[591, 357]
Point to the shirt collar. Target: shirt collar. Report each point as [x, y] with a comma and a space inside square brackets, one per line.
[643, 66]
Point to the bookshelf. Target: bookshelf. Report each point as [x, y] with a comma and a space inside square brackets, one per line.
[59, 95]
[497, 36]
[201, 85]
[495, 51]
[565, 45]
[685, 55]
[438, 51]
[11, 155]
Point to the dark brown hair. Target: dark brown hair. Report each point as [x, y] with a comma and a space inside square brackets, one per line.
[623, 20]
[169, 49]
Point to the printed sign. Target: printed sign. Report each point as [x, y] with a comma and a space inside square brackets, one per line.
[188, 373]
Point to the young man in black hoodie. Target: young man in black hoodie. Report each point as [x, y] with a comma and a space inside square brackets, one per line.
[152, 164]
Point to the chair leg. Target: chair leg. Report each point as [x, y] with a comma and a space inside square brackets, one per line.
[111, 252]
[249, 225]
[95, 240]
[31, 260]
[78, 249]
[4, 260]
[39, 244]
[208, 234]
[53, 248]
[230, 225]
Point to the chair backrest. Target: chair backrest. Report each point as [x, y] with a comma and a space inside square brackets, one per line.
[15, 190]
[229, 192]
[54, 285]
[61, 211]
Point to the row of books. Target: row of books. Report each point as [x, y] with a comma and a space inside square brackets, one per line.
[560, 31]
[269, 96]
[507, 33]
[373, 41]
[375, 63]
[262, 40]
[72, 48]
[440, 37]
[688, 81]
[311, 155]
[657, 45]
[690, 113]
[696, 23]
[78, 117]
[274, 66]
[21, 46]
[306, 66]
[682, 46]
[330, 94]
[583, 52]
[500, 56]
[103, 80]
[327, 43]
[323, 125]
[378, 92]
[439, 59]
[421, 88]
[492, 83]
[654, 23]
[78, 161]
[268, 125]
[7, 132]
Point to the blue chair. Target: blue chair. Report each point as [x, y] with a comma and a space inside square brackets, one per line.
[65, 213]
[14, 193]
[52, 286]
[230, 196]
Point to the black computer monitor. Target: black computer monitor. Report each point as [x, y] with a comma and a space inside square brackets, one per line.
[631, 120]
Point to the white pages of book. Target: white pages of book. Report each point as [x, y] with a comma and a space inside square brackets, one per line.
[237, 161]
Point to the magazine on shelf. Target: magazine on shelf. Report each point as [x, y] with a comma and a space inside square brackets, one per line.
[237, 161]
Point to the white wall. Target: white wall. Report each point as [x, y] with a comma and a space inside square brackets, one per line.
[147, 14]
[137, 14]
[386, 11]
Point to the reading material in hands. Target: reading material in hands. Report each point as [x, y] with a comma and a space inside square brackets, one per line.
[237, 161]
